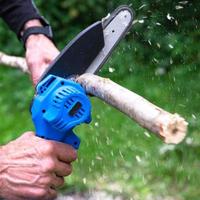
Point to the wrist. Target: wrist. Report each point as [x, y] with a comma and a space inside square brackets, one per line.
[35, 29]
[31, 23]
[32, 40]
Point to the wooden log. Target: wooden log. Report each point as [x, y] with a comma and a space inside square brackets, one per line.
[13, 61]
[171, 128]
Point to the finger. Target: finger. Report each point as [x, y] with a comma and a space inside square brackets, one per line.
[63, 169]
[34, 193]
[37, 72]
[50, 180]
[50, 58]
[65, 152]
[57, 181]
[52, 194]
[52, 54]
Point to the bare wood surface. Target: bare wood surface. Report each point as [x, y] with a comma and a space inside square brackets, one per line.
[13, 61]
[171, 128]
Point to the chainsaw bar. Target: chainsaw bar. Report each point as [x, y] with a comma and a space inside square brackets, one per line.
[90, 49]
[78, 54]
[115, 26]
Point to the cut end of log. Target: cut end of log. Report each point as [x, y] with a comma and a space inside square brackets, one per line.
[174, 130]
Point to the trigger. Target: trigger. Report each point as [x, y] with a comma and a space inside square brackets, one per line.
[72, 139]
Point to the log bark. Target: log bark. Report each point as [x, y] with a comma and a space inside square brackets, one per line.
[171, 128]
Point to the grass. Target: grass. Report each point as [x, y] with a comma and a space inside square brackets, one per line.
[116, 154]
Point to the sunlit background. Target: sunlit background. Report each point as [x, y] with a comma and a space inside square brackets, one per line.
[159, 59]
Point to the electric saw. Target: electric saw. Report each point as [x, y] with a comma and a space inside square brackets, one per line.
[60, 104]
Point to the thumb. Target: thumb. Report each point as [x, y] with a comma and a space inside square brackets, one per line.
[38, 72]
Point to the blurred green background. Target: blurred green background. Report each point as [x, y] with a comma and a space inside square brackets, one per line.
[159, 59]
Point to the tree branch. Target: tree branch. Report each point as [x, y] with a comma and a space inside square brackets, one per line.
[13, 61]
[171, 128]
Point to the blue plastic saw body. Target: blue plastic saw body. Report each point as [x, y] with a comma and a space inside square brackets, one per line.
[58, 106]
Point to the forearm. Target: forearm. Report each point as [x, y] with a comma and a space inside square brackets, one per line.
[20, 15]
[17, 12]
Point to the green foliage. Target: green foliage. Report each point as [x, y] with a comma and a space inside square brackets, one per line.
[166, 33]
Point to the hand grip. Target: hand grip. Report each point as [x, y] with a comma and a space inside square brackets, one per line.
[72, 140]
[59, 106]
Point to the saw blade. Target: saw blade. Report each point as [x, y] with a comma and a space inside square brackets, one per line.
[90, 49]
[78, 54]
[116, 25]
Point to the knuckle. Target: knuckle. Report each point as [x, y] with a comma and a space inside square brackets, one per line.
[32, 63]
[42, 193]
[38, 193]
[48, 181]
[68, 170]
[49, 148]
[59, 182]
[62, 181]
[28, 134]
[49, 165]
[73, 155]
